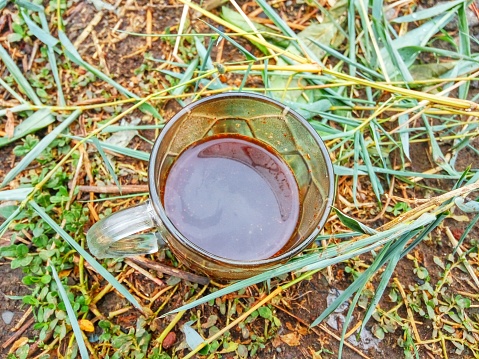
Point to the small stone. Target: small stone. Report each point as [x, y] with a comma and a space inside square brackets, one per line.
[169, 340]
[7, 316]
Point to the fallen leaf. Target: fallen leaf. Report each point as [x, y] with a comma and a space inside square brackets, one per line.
[210, 322]
[276, 342]
[290, 326]
[18, 343]
[232, 346]
[64, 273]
[86, 325]
[291, 339]
[10, 124]
[301, 330]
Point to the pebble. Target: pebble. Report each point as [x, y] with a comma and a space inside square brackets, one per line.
[169, 340]
[7, 316]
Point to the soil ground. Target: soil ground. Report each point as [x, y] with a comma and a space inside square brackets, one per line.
[304, 301]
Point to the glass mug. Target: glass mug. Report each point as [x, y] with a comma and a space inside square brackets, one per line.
[264, 198]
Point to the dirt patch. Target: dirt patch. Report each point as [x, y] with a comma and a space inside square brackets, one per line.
[124, 59]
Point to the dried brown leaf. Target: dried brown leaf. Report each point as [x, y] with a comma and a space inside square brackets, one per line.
[10, 124]
[18, 343]
[292, 339]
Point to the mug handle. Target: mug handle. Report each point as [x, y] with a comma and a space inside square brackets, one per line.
[114, 236]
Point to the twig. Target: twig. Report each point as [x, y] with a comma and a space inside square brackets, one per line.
[170, 270]
[34, 347]
[292, 25]
[385, 206]
[118, 312]
[148, 25]
[144, 272]
[114, 189]
[48, 348]
[22, 320]
[18, 333]
[183, 19]
[409, 311]
[433, 202]
[88, 29]
[99, 51]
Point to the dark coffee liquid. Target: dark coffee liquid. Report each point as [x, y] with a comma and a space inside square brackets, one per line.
[233, 198]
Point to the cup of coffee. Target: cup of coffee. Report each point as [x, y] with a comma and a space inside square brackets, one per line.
[239, 183]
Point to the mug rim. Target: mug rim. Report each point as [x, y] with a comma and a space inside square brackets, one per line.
[160, 210]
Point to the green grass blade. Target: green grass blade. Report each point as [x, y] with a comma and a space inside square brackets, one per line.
[407, 174]
[347, 318]
[396, 58]
[30, 6]
[139, 194]
[18, 76]
[347, 60]
[468, 229]
[404, 135]
[53, 62]
[38, 149]
[107, 162]
[117, 128]
[249, 56]
[386, 276]
[140, 155]
[71, 315]
[39, 33]
[332, 255]
[356, 172]
[204, 54]
[38, 120]
[206, 62]
[442, 52]
[236, 19]
[333, 14]
[474, 178]
[374, 132]
[309, 110]
[356, 286]
[430, 12]
[419, 36]
[352, 37]
[381, 237]
[437, 155]
[372, 270]
[186, 77]
[97, 266]
[74, 56]
[294, 44]
[437, 220]
[15, 109]
[245, 77]
[6, 223]
[279, 22]
[377, 187]
[18, 194]
[14, 94]
[354, 224]
[346, 171]
[264, 75]
[464, 43]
